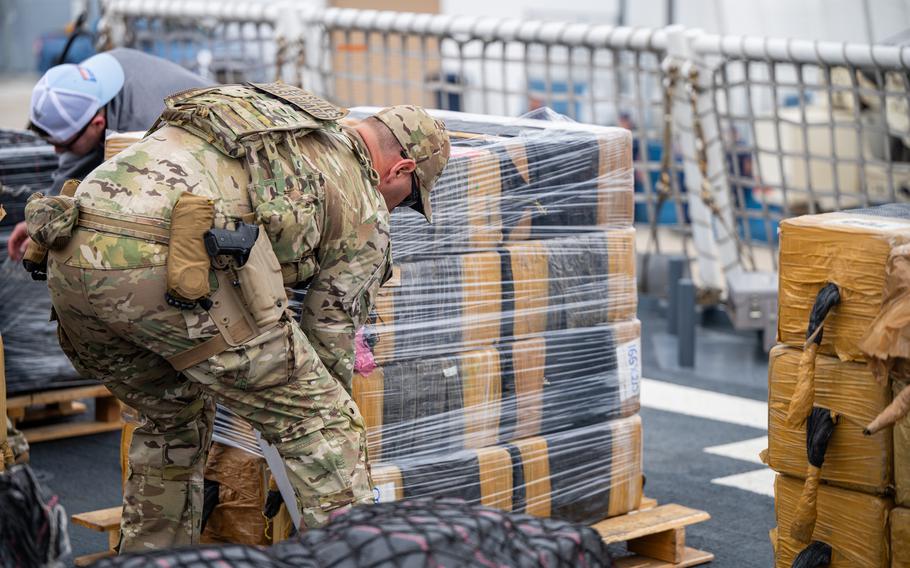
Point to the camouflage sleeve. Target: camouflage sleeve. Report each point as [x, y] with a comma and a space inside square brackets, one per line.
[341, 295]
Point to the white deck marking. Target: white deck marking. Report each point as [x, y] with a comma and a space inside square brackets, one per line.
[711, 405]
[704, 404]
[747, 450]
[759, 481]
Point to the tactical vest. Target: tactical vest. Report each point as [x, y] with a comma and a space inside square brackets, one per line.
[261, 125]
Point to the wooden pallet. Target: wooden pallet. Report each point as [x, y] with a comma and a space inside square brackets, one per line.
[105, 521]
[62, 403]
[657, 536]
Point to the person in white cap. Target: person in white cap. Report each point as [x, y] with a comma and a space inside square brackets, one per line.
[73, 106]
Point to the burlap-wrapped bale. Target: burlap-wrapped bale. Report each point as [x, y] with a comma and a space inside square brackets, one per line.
[242, 485]
[543, 476]
[526, 180]
[457, 303]
[852, 460]
[901, 432]
[850, 249]
[900, 538]
[546, 383]
[852, 523]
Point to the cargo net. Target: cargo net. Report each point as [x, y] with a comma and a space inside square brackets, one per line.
[32, 521]
[443, 532]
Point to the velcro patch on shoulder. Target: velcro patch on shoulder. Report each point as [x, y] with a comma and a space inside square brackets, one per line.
[304, 100]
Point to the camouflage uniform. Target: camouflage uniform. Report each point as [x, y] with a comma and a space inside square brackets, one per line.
[327, 224]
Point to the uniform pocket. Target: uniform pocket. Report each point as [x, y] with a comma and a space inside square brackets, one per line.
[358, 303]
[292, 225]
[260, 363]
[51, 220]
[261, 284]
[325, 463]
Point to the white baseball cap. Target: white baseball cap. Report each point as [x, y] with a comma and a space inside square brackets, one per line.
[68, 96]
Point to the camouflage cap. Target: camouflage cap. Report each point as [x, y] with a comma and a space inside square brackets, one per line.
[425, 141]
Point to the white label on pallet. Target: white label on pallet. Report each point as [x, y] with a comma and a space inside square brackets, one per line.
[628, 367]
[384, 493]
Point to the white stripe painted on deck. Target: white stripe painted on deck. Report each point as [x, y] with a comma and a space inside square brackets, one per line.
[747, 450]
[760, 481]
[711, 405]
[700, 403]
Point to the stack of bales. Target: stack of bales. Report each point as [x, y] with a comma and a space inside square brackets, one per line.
[34, 360]
[506, 343]
[841, 490]
[506, 349]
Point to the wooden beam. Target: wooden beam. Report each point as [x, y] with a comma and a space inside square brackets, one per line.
[102, 520]
[55, 410]
[68, 430]
[90, 559]
[667, 545]
[691, 557]
[107, 409]
[647, 503]
[642, 523]
[51, 396]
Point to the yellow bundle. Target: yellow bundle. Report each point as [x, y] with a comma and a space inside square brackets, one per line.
[854, 525]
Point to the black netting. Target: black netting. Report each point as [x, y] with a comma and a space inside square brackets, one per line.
[408, 534]
[233, 556]
[32, 521]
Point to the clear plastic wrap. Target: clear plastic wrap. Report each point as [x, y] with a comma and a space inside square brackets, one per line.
[850, 249]
[583, 475]
[501, 364]
[26, 165]
[506, 347]
[518, 179]
[461, 302]
[531, 385]
[852, 459]
[852, 523]
[34, 360]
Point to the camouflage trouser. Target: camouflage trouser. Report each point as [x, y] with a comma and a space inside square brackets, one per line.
[116, 327]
